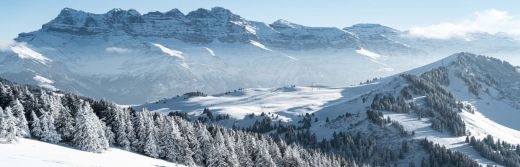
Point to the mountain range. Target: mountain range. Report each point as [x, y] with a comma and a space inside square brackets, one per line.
[211, 88]
[132, 58]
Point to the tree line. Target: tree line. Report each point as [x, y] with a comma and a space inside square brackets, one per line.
[96, 125]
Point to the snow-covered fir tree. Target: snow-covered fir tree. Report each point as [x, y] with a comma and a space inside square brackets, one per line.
[8, 128]
[21, 121]
[65, 124]
[150, 144]
[49, 133]
[88, 132]
[36, 127]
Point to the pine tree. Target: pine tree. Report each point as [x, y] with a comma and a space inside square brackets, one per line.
[240, 150]
[9, 130]
[170, 137]
[218, 154]
[229, 142]
[110, 136]
[150, 146]
[3, 123]
[205, 139]
[21, 123]
[120, 129]
[88, 133]
[274, 151]
[36, 128]
[140, 131]
[158, 121]
[65, 124]
[261, 156]
[188, 141]
[130, 130]
[49, 133]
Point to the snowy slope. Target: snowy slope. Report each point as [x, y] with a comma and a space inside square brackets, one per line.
[29, 152]
[493, 110]
[285, 102]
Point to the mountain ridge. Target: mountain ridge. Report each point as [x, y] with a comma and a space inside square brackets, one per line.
[201, 26]
[212, 50]
[461, 95]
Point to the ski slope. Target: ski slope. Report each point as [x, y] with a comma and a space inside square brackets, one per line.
[29, 152]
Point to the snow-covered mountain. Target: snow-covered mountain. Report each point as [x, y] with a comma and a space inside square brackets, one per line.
[446, 101]
[132, 58]
[129, 57]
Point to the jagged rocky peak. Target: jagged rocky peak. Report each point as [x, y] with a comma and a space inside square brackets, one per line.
[282, 24]
[368, 28]
[124, 16]
[74, 17]
[174, 13]
[201, 26]
[70, 16]
[77, 22]
[216, 14]
[69, 12]
[174, 16]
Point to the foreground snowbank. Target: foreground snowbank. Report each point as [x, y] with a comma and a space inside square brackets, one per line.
[29, 152]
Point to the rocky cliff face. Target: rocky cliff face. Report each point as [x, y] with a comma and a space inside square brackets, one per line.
[201, 26]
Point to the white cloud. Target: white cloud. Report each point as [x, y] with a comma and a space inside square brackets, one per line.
[5, 45]
[490, 21]
[117, 50]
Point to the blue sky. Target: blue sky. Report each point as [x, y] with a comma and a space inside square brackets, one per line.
[28, 15]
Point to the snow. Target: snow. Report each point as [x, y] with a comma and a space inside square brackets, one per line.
[25, 52]
[285, 23]
[211, 52]
[422, 129]
[477, 125]
[368, 54]
[117, 50]
[171, 52]
[292, 58]
[44, 82]
[250, 29]
[285, 102]
[480, 126]
[387, 69]
[29, 152]
[259, 45]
